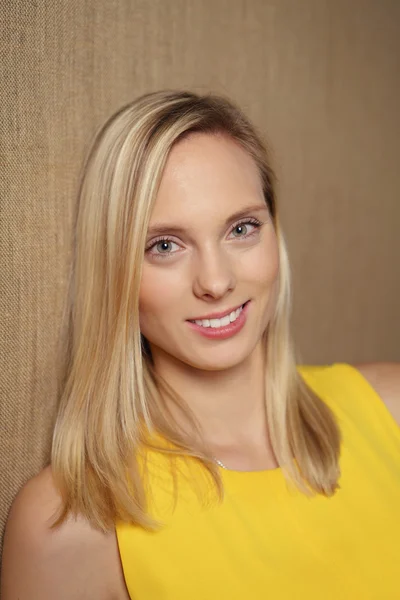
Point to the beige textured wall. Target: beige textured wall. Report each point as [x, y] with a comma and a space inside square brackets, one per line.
[320, 77]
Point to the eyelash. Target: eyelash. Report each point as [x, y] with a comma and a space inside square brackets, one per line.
[251, 221]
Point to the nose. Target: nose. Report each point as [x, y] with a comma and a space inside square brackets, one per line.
[213, 275]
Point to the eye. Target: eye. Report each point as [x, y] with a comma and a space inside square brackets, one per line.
[255, 222]
[165, 241]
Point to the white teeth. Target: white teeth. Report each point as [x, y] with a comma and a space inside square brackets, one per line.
[215, 323]
[204, 322]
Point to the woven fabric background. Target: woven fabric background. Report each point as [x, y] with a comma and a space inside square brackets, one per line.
[321, 78]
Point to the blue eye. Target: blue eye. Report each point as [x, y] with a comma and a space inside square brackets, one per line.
[254, 222]
[167, 240]
[162, 241]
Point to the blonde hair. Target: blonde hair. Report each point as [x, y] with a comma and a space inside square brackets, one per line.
[112, 395]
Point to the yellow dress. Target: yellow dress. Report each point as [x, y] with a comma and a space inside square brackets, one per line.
[268, 541]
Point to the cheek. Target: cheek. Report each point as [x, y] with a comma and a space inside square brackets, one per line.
[264, 266]
[159, 293]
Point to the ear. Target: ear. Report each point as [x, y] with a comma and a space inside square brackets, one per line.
[385, 379]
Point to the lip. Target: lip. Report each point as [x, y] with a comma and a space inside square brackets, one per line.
[226, 331]
[218, 315]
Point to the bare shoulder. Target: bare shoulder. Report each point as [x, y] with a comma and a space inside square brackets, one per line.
[74, 561]
[385, 379]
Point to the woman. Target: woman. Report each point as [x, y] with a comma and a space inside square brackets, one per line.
[192, 457]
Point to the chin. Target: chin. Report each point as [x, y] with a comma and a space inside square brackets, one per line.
[219, 360]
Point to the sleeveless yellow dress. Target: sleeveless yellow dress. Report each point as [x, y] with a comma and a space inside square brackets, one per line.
[268, 541]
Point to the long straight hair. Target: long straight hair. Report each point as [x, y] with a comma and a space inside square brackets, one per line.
[112, 396]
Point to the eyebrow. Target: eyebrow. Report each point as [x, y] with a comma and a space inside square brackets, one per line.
[161, 228]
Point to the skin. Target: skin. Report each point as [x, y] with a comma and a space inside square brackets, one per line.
[206, 179]
[211, 266]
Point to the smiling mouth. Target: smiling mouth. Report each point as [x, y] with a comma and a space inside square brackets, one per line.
[216, 321]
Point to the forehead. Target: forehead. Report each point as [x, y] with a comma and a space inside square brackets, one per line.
[208, 172]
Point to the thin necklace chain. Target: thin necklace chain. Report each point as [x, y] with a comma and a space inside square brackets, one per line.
[220, 463]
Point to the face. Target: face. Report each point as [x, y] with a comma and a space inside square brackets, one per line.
[206, 260]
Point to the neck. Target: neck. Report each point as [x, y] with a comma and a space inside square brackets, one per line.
[229, 404]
